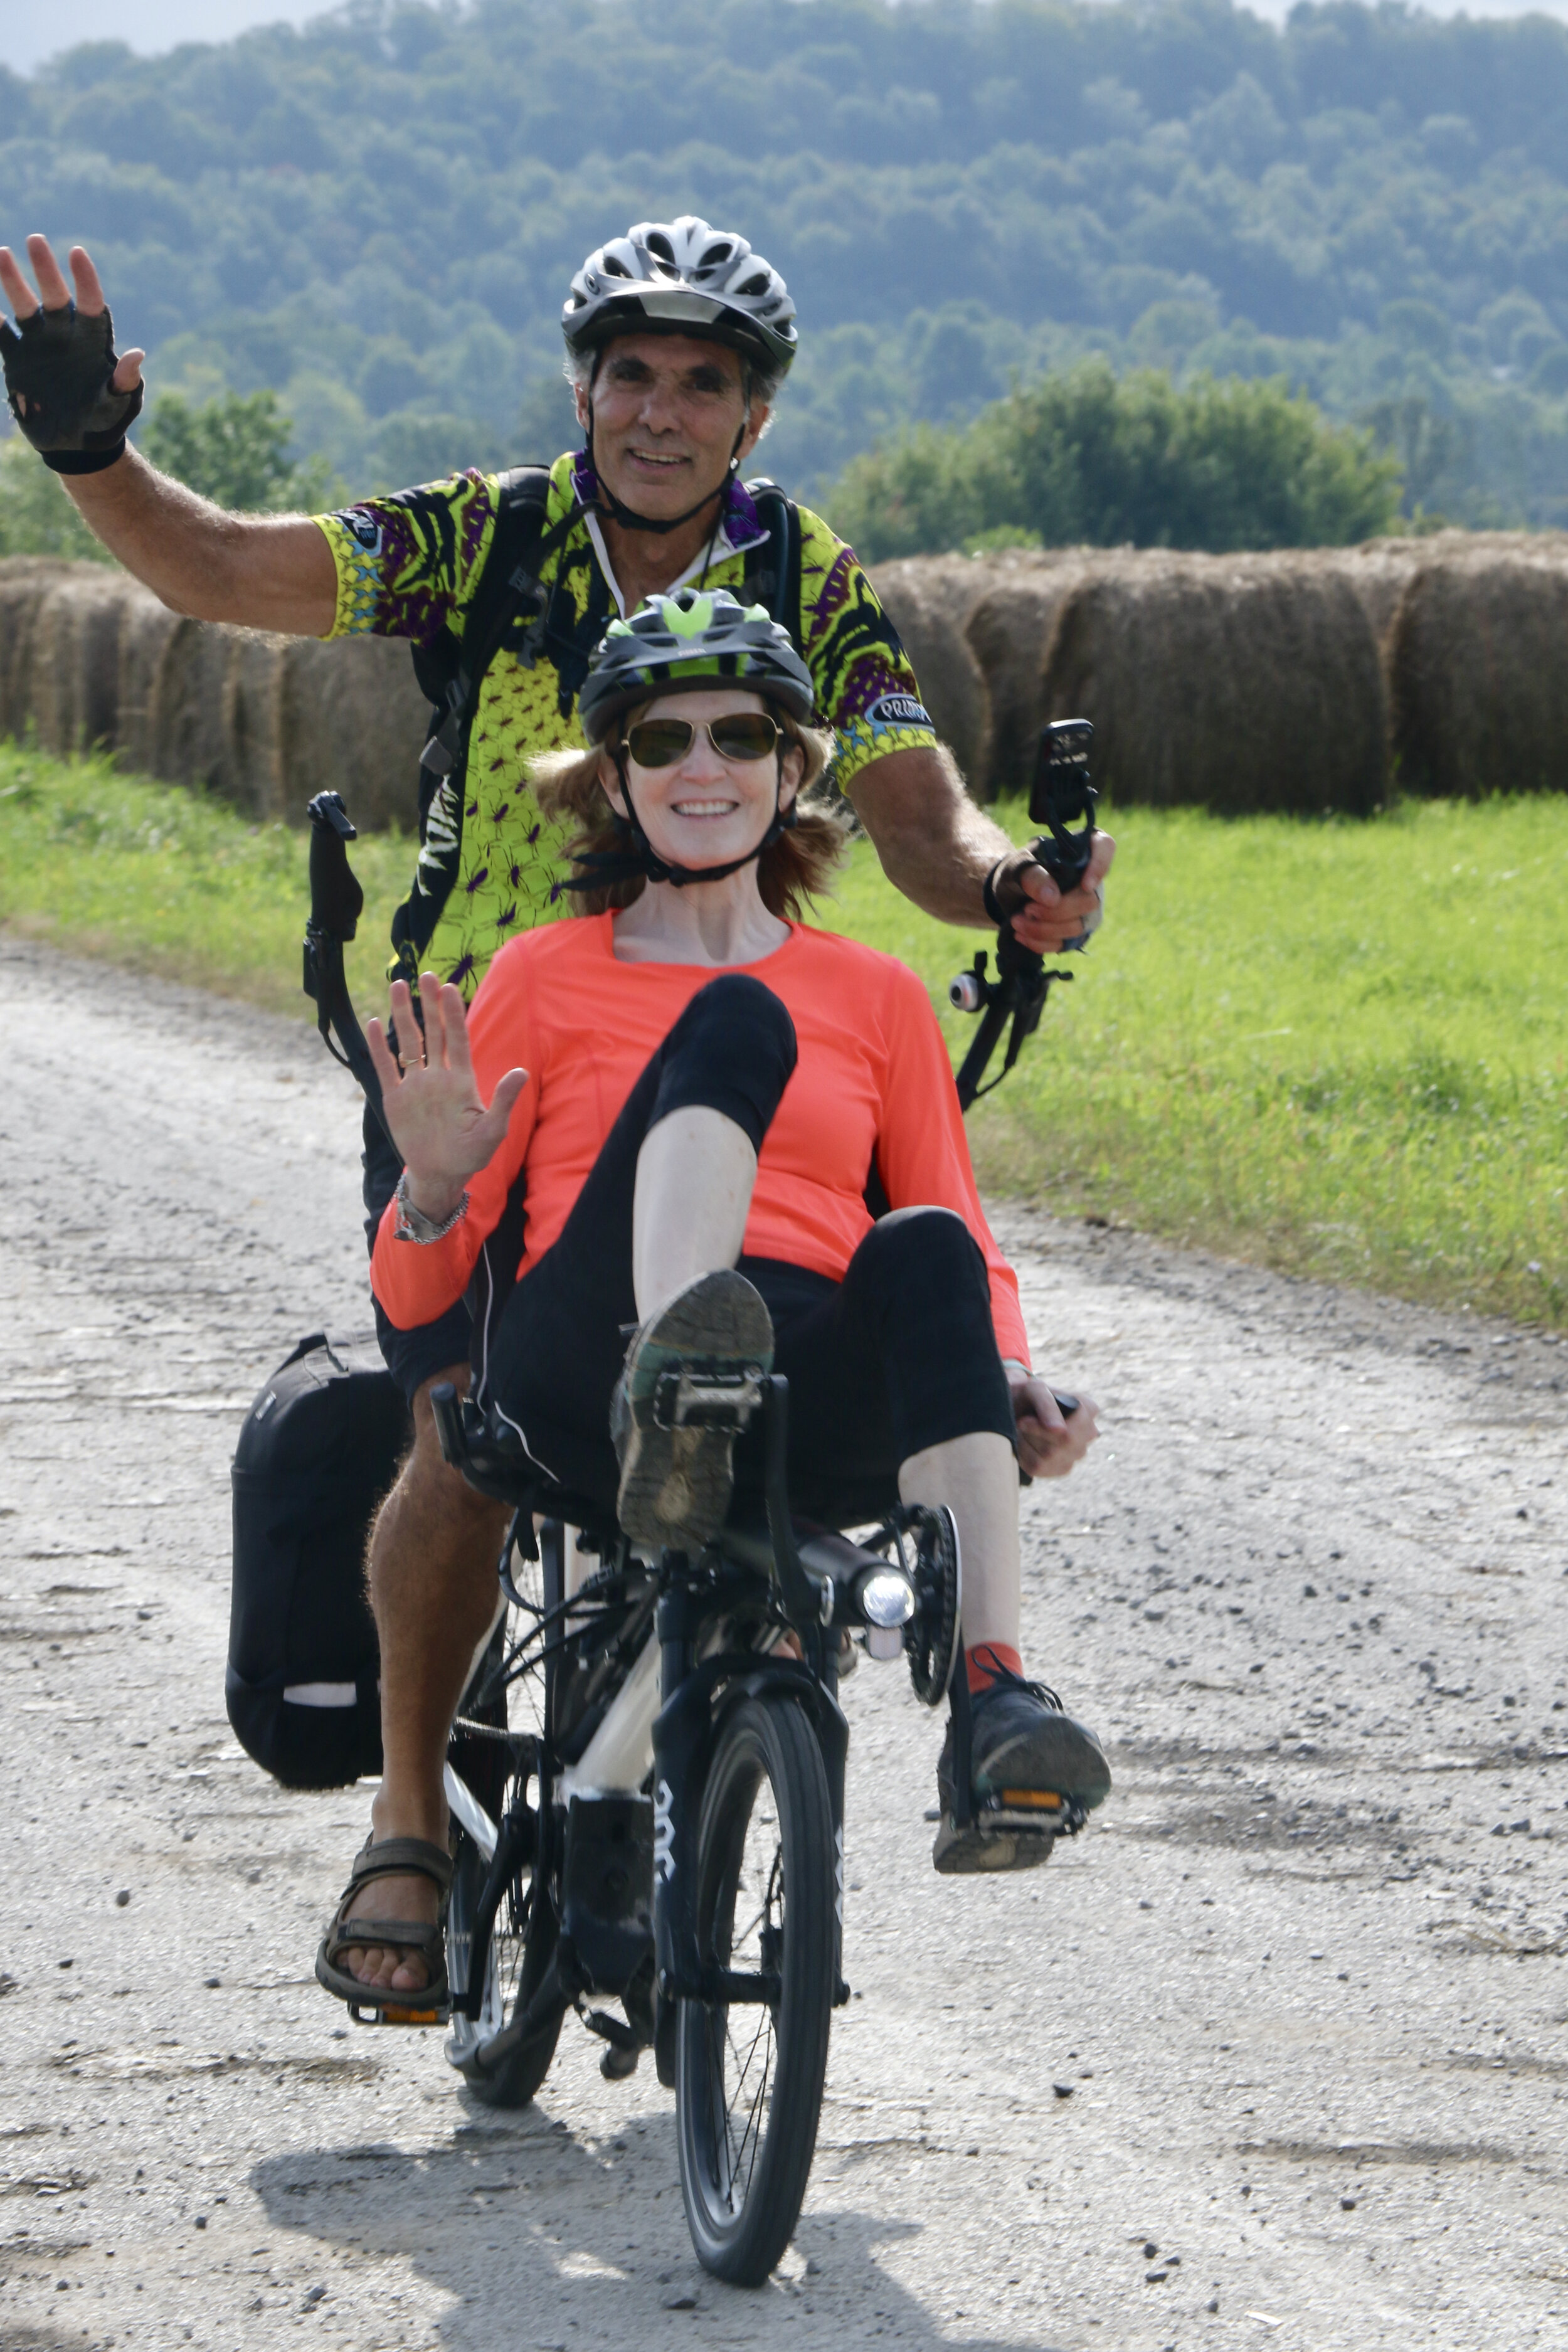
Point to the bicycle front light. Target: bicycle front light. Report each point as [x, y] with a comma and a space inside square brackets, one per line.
[886, 1597]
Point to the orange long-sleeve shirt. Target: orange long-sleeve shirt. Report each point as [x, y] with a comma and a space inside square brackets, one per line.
[872, 1075]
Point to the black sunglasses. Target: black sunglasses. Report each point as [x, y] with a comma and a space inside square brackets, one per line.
[741, 735]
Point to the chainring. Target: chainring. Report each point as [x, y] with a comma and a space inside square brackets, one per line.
[931, 1636]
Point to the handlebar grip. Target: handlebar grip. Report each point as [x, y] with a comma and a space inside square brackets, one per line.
[447, 1411]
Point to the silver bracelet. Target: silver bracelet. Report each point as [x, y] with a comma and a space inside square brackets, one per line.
[413, 1225]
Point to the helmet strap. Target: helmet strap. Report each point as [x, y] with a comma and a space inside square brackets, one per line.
[609, 867]
[624, 514]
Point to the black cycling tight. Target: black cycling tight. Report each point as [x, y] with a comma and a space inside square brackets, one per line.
[899, 1355]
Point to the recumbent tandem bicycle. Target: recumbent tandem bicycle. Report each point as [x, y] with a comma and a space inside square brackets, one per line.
[646, 1776]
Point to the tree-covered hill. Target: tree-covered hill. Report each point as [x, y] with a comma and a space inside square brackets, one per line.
[377, 215]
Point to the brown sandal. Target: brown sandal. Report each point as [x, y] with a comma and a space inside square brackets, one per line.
[429, 2004]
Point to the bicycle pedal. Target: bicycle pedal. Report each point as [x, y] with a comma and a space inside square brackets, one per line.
[1033, 1809]
[993, 1842]
[1034, 1804]
[440, 2015]
[699, 1398]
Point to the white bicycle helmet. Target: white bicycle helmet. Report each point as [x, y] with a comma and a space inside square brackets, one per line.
[682, 277]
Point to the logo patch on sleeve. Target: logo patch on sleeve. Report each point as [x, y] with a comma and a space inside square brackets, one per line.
[898, 711]
[362, 527]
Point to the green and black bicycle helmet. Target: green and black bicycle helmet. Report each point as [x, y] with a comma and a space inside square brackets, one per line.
[696, 638]
[682, 277]
[690, 642]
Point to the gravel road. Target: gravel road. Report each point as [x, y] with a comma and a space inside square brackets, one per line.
[1275, 2055]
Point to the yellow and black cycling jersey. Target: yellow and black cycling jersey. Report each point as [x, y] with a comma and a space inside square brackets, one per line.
[488, 866]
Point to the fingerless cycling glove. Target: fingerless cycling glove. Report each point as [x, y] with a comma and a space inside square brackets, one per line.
[59, 367]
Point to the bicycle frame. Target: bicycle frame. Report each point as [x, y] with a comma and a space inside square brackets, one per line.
[664, 1721]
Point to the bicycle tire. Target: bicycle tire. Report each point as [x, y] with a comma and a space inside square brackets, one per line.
[522, 1944]
[523, 1939]
[743, 2198]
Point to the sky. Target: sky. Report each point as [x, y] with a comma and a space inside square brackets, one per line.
[30, 32]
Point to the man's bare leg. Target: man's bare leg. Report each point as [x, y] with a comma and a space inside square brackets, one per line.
[433, 1557]
[434, 1546]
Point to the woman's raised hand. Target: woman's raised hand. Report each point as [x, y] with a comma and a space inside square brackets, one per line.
[430, 1097]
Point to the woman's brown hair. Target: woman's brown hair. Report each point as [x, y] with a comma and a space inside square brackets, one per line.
[793, 870]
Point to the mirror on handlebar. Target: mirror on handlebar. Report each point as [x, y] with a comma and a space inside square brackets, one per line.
[1062, 801]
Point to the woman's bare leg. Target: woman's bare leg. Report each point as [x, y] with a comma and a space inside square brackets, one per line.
[977, 1478]
[695, 1174]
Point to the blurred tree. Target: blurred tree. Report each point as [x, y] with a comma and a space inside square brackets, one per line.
[547, 422]
[1433, 451]
[1084, 457]
[412, 447]
[232, 450]
[36, 517]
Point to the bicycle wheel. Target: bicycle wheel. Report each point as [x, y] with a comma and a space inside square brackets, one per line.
[521, 1942]
[522, 1938]
[749, 2078]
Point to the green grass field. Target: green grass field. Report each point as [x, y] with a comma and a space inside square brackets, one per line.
[1335, 1048]
[173, 882]
[1339, 1049]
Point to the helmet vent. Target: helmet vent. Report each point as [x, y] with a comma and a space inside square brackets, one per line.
[685, 278]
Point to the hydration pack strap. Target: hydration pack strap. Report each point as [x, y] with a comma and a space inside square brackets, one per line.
[773, 572]
[509, 587]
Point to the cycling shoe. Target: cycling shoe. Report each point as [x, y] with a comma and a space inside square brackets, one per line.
[692, 1380]
[1033, 1772]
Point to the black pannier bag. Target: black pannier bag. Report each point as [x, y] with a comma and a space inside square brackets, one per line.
[318, 1449]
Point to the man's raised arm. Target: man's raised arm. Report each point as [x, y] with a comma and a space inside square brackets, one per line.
[259, 570]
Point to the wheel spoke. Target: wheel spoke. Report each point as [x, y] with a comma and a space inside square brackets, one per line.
[750, 2137]
[743, 2067]
[756, 2107]
[748, 2103]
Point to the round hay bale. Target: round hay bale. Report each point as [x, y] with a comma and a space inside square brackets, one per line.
[1239, 684]
[76, 659]
[928, 599]
[25, 581]
[185, 713]
[1478, 678]
[1380, 570]
[147, 629]
[250, 723]
[352, 721]
[1008, 629]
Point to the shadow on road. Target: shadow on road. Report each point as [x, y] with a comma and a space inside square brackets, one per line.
[544, 2240]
